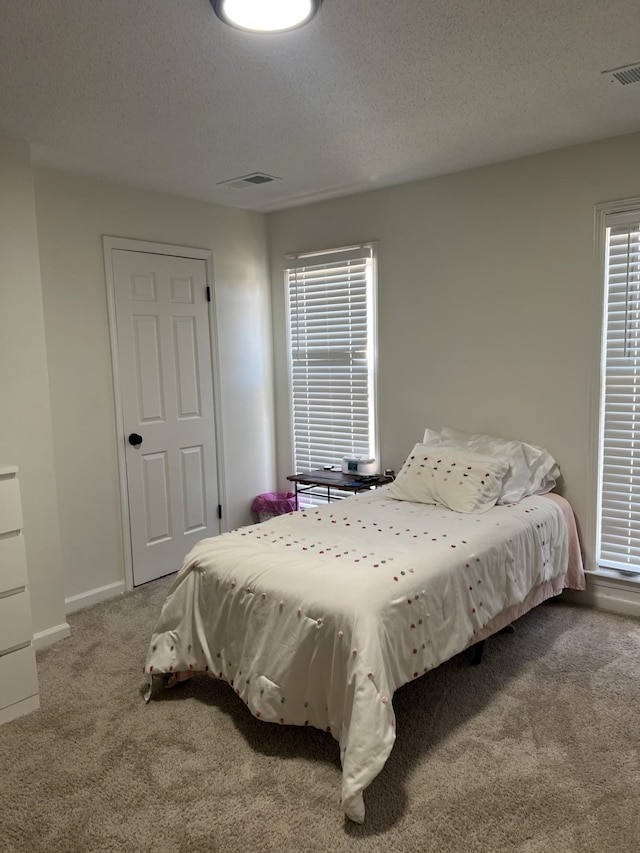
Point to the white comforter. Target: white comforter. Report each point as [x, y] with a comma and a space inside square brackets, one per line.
[317, 617]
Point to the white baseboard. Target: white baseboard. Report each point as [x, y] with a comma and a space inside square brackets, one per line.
[617, 596]
[25, 706]
[93, 596]
[51, 635]
[76, 602]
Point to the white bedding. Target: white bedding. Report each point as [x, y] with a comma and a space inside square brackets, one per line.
[317, 617]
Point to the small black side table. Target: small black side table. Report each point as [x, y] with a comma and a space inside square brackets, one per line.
[334, 480]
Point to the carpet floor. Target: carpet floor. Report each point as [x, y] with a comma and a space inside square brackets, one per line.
[537, 750]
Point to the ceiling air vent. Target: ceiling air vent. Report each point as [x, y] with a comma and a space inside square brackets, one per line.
[253, 180]
[625, 74]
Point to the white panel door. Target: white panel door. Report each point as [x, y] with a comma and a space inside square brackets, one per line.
[164, 359]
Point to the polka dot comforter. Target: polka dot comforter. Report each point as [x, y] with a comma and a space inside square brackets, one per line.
[315, 618]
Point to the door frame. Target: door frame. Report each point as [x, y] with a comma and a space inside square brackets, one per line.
[206, 255]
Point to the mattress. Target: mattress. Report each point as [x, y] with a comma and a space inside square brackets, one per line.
[317, 617]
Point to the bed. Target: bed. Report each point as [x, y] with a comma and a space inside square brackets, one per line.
[317, 617]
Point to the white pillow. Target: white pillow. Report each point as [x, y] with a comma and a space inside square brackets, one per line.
[431, 436]
[533, 470]
[454, 477]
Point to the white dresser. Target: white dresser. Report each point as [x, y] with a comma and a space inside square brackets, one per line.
[18, 676]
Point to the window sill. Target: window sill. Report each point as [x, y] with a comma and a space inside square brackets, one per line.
[609, 589]
[630, 579]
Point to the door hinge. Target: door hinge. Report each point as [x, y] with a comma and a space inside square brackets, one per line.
[219, 510]
[208, 294]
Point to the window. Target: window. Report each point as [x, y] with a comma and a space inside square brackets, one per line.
[619, 504]
[331, 317]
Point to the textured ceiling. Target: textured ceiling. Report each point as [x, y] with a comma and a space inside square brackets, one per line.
[161, 94]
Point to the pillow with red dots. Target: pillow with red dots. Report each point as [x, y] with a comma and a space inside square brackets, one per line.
[453, 477]
[534, 471]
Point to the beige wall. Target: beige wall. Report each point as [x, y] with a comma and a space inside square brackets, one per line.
[489, 301]
[25, 415]
[488, 320]
[73, 214]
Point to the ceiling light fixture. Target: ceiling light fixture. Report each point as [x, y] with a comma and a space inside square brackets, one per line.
[266, 16]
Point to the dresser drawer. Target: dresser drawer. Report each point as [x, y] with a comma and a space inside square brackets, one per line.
[18, 676]
[10, 507]
[13, 562]
[15, 621]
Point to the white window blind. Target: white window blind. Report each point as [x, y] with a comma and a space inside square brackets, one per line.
[331, 341]
[619, 527]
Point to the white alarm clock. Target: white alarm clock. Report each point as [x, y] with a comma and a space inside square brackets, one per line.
[359, 466]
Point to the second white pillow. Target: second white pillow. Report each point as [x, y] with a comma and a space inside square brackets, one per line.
[453, 477]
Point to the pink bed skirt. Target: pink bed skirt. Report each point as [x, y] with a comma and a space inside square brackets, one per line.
[573, 579]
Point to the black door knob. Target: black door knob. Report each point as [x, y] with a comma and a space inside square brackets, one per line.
[135, 440]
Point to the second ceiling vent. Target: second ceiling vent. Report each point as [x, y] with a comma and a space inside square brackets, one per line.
[253, 180]
[625, 74]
